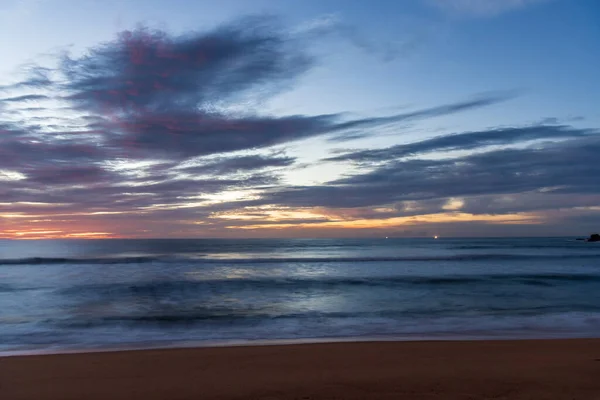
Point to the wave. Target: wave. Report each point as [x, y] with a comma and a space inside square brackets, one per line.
[251, 317]
[170, 259]
[6, 288]
[187, 330]
[454, 257]
[503, 246]
[65, 260]
[191, 287]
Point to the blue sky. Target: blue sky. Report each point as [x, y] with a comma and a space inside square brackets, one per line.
[546, 49]
[526, 64]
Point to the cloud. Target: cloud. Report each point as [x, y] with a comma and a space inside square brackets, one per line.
[568, 167]
[8, 130]
[147, 71]
[168, 95]
[467, 141]
[25, 98]
[349, 128]
[21, 153]
[333, 26]
[142, 135]
[66, 175]
[225, 166]
[36, 77]
[151, 94]
[482, 8]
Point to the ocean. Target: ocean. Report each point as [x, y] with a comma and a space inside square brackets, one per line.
[94, 294]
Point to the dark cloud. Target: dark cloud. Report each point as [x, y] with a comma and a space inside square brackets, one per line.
[467, 141]
[528, 202]
[162, 95]
[151, 71]
[25, 153]
[152, 96]
[226, 166]
[67, 175]
[184, 135]
[8, 130]
[567, 167]
[24, 98]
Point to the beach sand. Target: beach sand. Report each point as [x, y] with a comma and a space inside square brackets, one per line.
[536, 369]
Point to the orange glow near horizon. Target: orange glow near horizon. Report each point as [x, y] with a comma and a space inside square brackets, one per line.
[403, 221]
[44, 234]
[268, 219]
[269, 214]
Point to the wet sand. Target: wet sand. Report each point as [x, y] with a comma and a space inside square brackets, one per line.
[524, 369]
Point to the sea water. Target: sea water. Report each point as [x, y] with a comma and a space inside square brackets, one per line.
[85, 294]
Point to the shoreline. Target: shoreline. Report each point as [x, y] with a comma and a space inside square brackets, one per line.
[203, 344]
[454, 370]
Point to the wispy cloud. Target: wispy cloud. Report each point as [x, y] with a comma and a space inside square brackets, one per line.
[482, 8]
[25, 98]
[467, 141]
[334, 26]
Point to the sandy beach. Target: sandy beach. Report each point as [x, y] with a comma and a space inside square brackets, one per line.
[536, 369]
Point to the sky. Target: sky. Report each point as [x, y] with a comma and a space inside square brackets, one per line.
[270, 118]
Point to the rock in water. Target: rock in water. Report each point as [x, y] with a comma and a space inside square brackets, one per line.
[594, 238]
